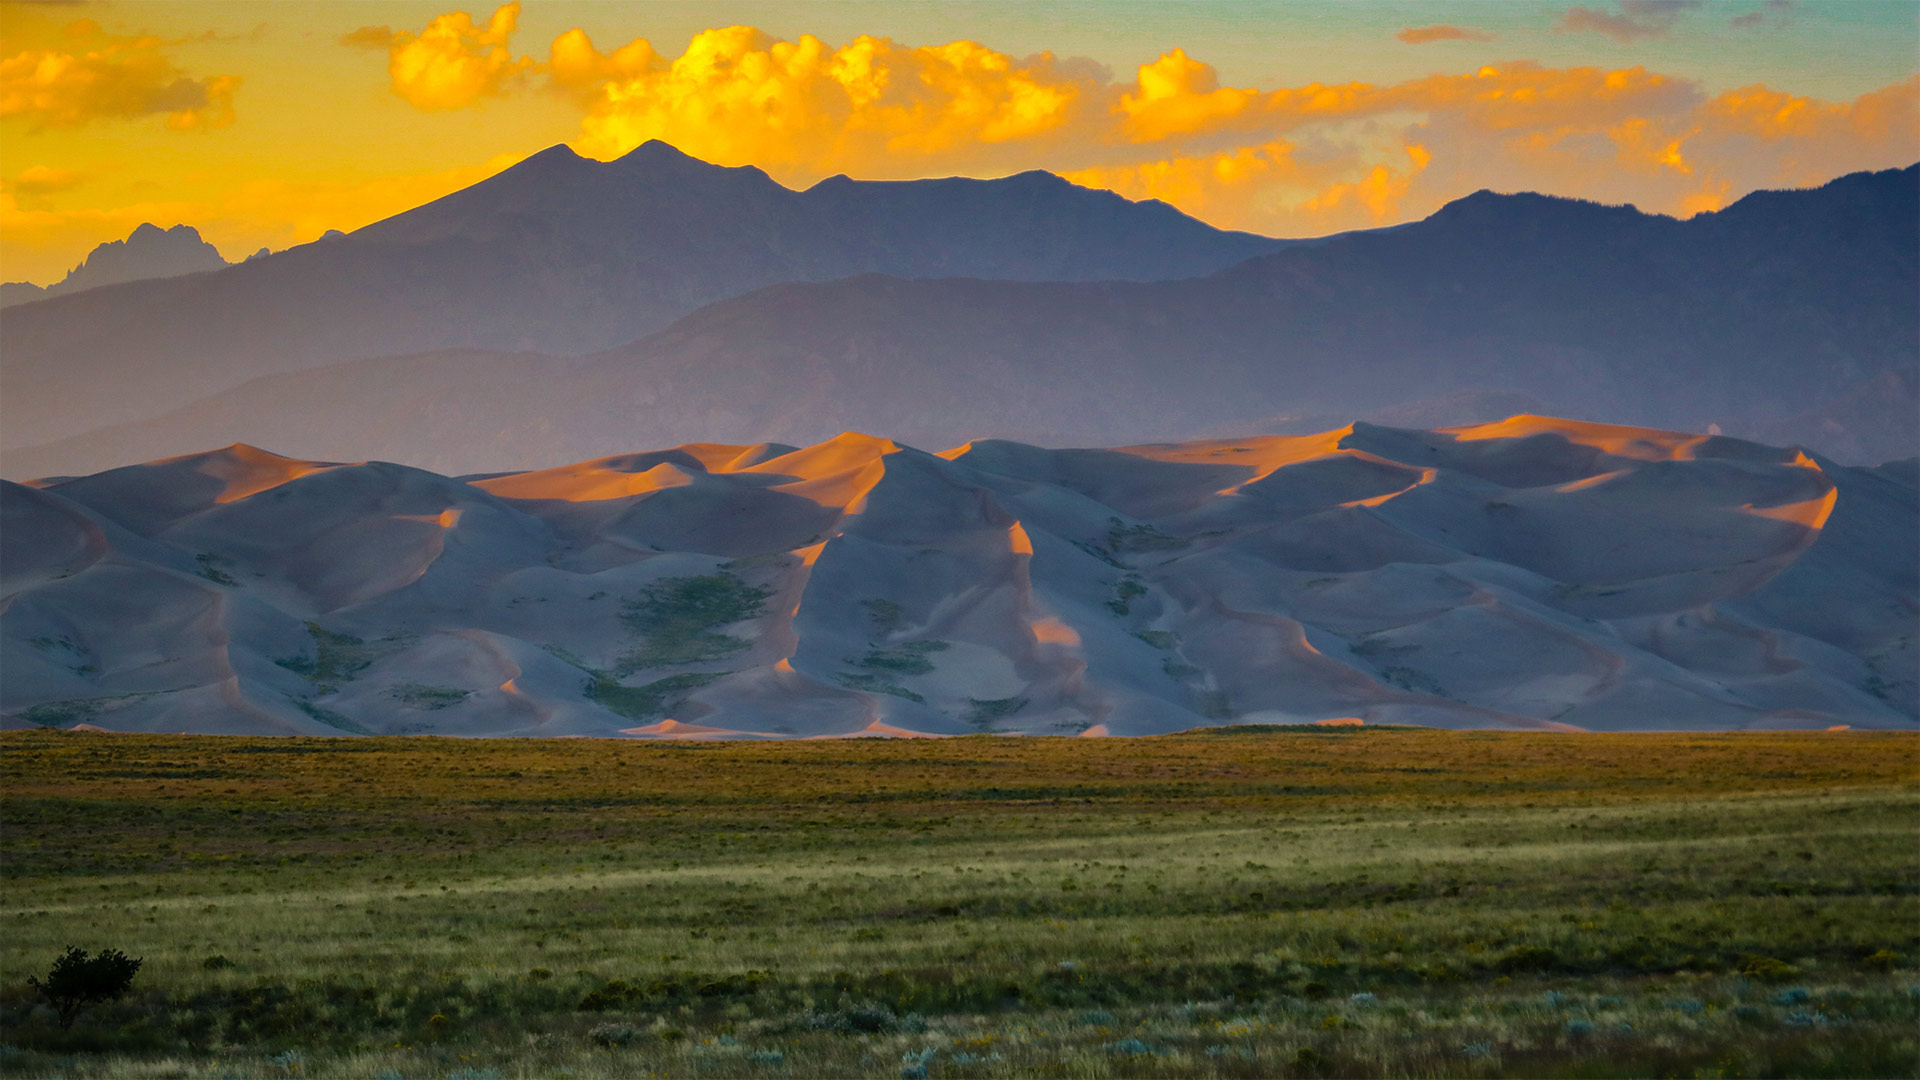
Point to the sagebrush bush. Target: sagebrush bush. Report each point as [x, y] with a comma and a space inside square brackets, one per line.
[78, 982]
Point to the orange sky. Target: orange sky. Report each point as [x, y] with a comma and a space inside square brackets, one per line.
[267, 124]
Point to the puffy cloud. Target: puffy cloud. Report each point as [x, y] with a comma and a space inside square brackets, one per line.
[738, 96]
[93, 75]
[1379, 192]
[1227, 183]
[1291, 160]
[46, 180]
[1269, 188]
[1422, 35]
[451, 64]
[1179, 96]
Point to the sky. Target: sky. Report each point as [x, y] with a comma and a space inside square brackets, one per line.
[265, 123]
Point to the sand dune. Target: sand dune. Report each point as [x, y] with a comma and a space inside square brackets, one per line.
[1531, 573]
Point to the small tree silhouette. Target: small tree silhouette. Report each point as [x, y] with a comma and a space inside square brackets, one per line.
[76, 982]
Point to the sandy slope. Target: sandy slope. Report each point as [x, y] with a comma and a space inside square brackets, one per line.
[1532, 573]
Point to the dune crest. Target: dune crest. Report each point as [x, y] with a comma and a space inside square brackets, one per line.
[1533, 573]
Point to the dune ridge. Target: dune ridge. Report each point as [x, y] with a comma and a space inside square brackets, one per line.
[1532, 573]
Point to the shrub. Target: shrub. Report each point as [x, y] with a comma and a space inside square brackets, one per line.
[1527, 958]
[1767, 969]
[1884, 960]
[866, 1017]
[613, 1036]
[78, 982]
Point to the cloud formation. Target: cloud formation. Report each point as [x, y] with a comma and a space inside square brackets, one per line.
[45, 180]
[1289, 160]
[1422, 35]
[92, 75]
[738, 96]
[1637, 19]
[453, 63]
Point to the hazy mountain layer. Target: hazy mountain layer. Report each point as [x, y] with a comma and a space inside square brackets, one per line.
[1530, 573]
[149, 252]
[1792, 317]
[567, 255]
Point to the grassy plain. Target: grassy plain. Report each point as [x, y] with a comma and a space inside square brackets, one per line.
[1332, 902]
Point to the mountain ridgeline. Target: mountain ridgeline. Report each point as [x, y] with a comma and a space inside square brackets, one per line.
[563, 254]
[1022, 308]
[148, 252]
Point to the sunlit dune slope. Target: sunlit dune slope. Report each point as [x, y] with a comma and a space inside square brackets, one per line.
[1529, 573]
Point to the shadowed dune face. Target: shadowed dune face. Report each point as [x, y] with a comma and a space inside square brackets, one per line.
[1532, 573]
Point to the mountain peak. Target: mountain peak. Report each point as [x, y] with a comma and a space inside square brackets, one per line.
[557, 153]
[149, 251]
[659, 152]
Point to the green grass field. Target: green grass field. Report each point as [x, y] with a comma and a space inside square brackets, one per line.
[1246, 903]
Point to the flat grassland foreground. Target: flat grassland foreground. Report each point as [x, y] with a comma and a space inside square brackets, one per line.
[1243, 902]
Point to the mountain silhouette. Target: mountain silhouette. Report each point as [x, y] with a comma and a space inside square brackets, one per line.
[563, 254]
[149, 252]
[1789, 316]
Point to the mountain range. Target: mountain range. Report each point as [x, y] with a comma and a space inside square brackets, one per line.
[1534, 573]
[496, 328]
[148, 252]
[561, 254]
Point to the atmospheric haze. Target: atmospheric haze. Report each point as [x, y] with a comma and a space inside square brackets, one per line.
[569, 309]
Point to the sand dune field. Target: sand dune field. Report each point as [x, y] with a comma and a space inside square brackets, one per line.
[1528, 574]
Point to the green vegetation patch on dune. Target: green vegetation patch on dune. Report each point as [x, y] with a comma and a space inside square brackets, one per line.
[887, 615]
[1164, 640]
[910, 658]
[878, 684]
[651, 700]
[423, 696]
[1129, 589]
[213, 567]
[982, 713]
[679, 619]
[336, 658]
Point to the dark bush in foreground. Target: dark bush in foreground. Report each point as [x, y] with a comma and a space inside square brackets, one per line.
[77, 981]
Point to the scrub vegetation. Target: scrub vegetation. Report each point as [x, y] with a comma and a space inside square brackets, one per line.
[1249, 902]
[679, 620]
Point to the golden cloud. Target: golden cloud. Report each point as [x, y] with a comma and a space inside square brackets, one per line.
[1268, 189]
[738, 96]
[1422, 35]
[94, 75]
[45, 180]
[453, 63]
[1179, 96]
[1292, 160]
